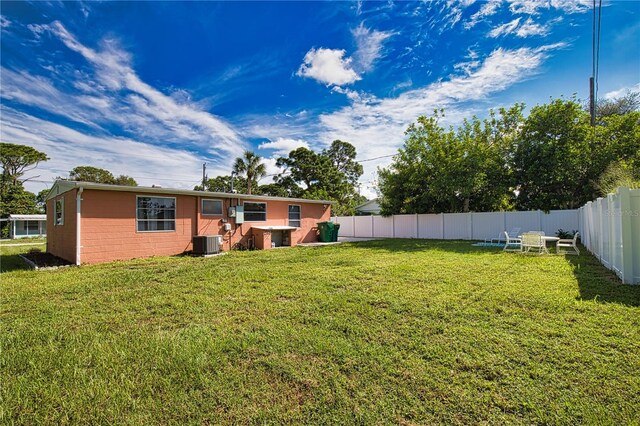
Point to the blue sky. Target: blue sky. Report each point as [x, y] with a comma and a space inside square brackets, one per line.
[154, 89]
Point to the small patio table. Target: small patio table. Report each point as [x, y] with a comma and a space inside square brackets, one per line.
[546, 239]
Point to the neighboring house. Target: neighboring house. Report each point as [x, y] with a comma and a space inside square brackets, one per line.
[371, 207]
[27, 225]
[93, 223]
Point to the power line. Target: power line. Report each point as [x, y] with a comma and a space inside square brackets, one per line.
[376, 158]
[598, 48]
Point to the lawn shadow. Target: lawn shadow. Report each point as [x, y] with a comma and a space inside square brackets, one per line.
[597, 283]
[416, 245]
[12, 262]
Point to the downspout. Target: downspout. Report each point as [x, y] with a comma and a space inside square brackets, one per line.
[78, 223]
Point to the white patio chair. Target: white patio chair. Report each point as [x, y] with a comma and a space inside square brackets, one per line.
[569, 244]
[533, 241]
[512, 244]
[511, 234]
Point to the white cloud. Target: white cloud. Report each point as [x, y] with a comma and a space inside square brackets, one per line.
[152, 107]
[272, 170]
[530, 28]
[487, 9]
[529, 7]
[283, 146]
[376, 126]
[328, 66]
[573, 6]
[4, 22]
[622, 91]
[532, 7]
[147, 163]
[527, 29]
[369, 45]
[109, 93]
[504, 29]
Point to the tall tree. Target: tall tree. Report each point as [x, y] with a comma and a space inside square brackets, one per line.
[621, 105]
[17, 160]
[449, 170]
[223, 184]
[331, 174]
[98, 175]
[251, 167]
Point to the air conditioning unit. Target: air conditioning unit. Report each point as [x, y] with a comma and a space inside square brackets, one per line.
[207, 244]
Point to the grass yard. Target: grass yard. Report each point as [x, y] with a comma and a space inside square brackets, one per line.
[379, 332]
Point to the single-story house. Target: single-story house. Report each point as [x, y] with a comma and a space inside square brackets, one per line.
[93, 223]
[27, 225]
[370, 207]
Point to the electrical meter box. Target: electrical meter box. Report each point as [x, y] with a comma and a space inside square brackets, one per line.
[239, 215]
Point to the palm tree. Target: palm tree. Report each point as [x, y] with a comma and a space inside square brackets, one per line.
[251, 166]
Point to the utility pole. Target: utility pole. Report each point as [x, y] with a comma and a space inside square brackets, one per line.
[204, 175]
[592, 101]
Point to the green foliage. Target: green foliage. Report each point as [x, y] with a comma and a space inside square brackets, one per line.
[41, 200]
[615, 176]
[251, 167]
[550, 160]
[18, 159]
[447, 170]
[16, 200]
[552, 156]
[98, 175]
[329, 175]
[223, 184]
[565, 235]
[125, 181]
[625, 104]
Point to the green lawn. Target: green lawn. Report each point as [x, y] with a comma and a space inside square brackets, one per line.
[380, 332]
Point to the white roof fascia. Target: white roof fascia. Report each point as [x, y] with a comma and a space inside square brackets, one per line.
[62, 186]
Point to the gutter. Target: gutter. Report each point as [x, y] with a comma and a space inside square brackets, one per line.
[78, 223]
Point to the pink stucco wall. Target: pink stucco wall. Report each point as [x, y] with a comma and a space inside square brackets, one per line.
[108, 226]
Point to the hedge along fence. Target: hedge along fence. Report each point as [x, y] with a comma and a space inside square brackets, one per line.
[610, 229]
[457, 226]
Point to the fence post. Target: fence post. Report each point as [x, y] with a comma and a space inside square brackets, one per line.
[393, 226]
[442, 225]
[627, 236]
[373, 232]
[470, 226]
[417, 226]
[540, 219]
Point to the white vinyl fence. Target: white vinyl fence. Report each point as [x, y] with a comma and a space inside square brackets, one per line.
[610, 229]
[457, 226]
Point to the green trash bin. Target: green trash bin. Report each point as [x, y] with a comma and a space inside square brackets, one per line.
[334, 234]
[325, 229]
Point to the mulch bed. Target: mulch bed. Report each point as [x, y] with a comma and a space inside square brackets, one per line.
[45, 260]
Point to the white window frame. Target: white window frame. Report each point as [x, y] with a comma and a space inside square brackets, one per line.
[244, 204]
[57, 222]
[212, 214]
[299, 220]
[175, 219]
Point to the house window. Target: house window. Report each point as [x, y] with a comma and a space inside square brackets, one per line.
[58, 212]
[31, 226]
[212, 207]
[156, 214]
[255, 212]
[294, 215]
